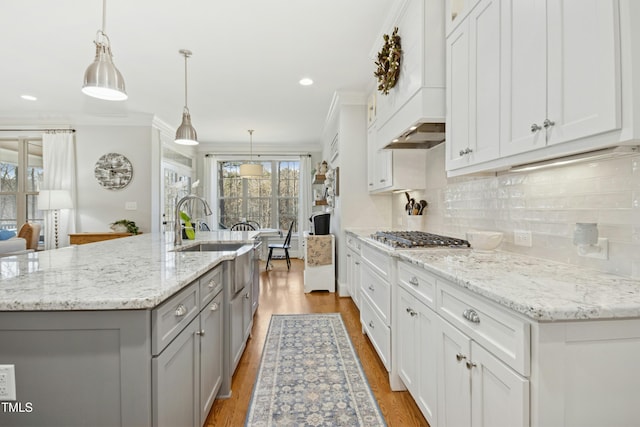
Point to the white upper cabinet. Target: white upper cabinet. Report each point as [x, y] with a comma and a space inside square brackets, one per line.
[531, 80]
[473, 82]
[561, 72]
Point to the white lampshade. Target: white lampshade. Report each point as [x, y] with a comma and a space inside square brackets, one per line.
[250, 169]
[54, 199]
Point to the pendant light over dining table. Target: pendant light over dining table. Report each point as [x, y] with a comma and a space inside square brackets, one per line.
[102, 79]
[249, 170]
[186, 134]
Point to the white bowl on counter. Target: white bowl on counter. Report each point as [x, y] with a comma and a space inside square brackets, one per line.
[484, 241]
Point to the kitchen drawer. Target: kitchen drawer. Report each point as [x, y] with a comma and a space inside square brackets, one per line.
[168, 319]
[503, 334]
[378, 260]
[379, 293]
[379, 333]
[419, 282]
[354, 243]
[210, 285]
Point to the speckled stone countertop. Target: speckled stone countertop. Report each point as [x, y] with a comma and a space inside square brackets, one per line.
[137, 272]
[540, 289]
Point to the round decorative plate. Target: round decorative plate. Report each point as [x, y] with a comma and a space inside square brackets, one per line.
[113, 171]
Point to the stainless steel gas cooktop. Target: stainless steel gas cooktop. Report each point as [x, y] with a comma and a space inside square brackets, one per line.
[417, 239]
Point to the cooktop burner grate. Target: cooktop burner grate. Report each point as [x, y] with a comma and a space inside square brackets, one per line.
[417, 239]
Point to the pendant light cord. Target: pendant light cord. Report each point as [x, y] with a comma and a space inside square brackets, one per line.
[250, 145]
[185, 82]
[104, 16]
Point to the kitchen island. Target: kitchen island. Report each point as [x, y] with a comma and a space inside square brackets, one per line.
[500, 338]
[90, 330]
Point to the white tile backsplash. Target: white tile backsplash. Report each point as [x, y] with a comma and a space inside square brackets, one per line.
[546, 202]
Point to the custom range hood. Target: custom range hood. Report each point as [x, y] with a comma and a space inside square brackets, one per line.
[423, 135]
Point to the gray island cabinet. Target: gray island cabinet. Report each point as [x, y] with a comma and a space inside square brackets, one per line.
[96, 344]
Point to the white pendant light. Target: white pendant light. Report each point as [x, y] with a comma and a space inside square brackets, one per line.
[250, 169]
[102, 79]
[186, 134]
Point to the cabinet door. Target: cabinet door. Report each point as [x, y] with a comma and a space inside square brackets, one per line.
[407, 346]
[523, 76]
[454, 378]
[236, 329]
[176, 381]
[247, 314]
[349, 267]
[457, 129]
[371, 152]
[484, 82]
[211, 356]
[357, 274]
[583, 69]
[427, 363]
[500, 397]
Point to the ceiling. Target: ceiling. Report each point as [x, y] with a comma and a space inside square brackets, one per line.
[248, 56]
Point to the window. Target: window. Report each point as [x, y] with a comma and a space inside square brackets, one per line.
[271, 199]
[20, 174]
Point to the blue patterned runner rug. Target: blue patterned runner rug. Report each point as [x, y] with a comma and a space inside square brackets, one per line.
[310, 375]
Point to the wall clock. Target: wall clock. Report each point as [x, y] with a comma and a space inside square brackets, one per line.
[113, 171]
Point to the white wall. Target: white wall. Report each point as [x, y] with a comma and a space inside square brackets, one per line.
[546, 202]
[98, 207]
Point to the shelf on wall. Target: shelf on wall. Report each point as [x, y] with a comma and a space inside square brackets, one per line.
[319, 178]
[320, 203]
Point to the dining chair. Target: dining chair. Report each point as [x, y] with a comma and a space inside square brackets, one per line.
[255, 224]
[242, 226]
[286, 245]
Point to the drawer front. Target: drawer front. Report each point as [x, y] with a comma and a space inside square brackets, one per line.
[378, 332]
[353, 243]
[419, 282]
[379, 293]
[168, 319]
[377, 260]
[210, 285]
[503, 334]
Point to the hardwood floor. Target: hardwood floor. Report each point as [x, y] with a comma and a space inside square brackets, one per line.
[282, 292]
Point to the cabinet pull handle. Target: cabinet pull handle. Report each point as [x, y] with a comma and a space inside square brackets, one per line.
[371, 288]
[470, 364]
[411, 312]
[535, 128]
[461, 153]
[181, 310]
[212, 284]
[548, 123]
[414, 281]
[371, 184]
[357, 262]
[200, 332]
[466, 151]
[460, 357]
[247, 295]
[471, 315]
[371, 324]
[215, 306]
[383, 180]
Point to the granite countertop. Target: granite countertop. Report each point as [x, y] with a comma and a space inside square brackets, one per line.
[137, 272]
[540, 289]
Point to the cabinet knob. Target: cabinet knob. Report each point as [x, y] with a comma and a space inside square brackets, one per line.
[215, 306]
[212, 284]
[535, 128]
[246, 295]
[371, 288]
[411, 312]
[471, 315]
[357, 262]
[383, 180]
[470, 364]
[548, 123]
[181, 310]
[200, 332]
[371, 324]
[414, 281]
[460, 357]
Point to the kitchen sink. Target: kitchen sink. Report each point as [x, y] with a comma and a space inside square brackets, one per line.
[208, 247]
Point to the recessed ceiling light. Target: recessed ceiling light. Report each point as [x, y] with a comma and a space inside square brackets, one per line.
[306, 81]
[29, 97]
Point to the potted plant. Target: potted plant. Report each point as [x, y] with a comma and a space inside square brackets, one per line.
[124, 226]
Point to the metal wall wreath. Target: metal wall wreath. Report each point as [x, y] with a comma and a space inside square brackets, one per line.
[389, 62]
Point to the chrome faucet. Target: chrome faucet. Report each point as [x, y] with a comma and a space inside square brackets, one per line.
[178, 229]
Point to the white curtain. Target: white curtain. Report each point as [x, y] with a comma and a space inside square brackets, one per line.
[210, 189]
[59, 164]
[304, 197]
